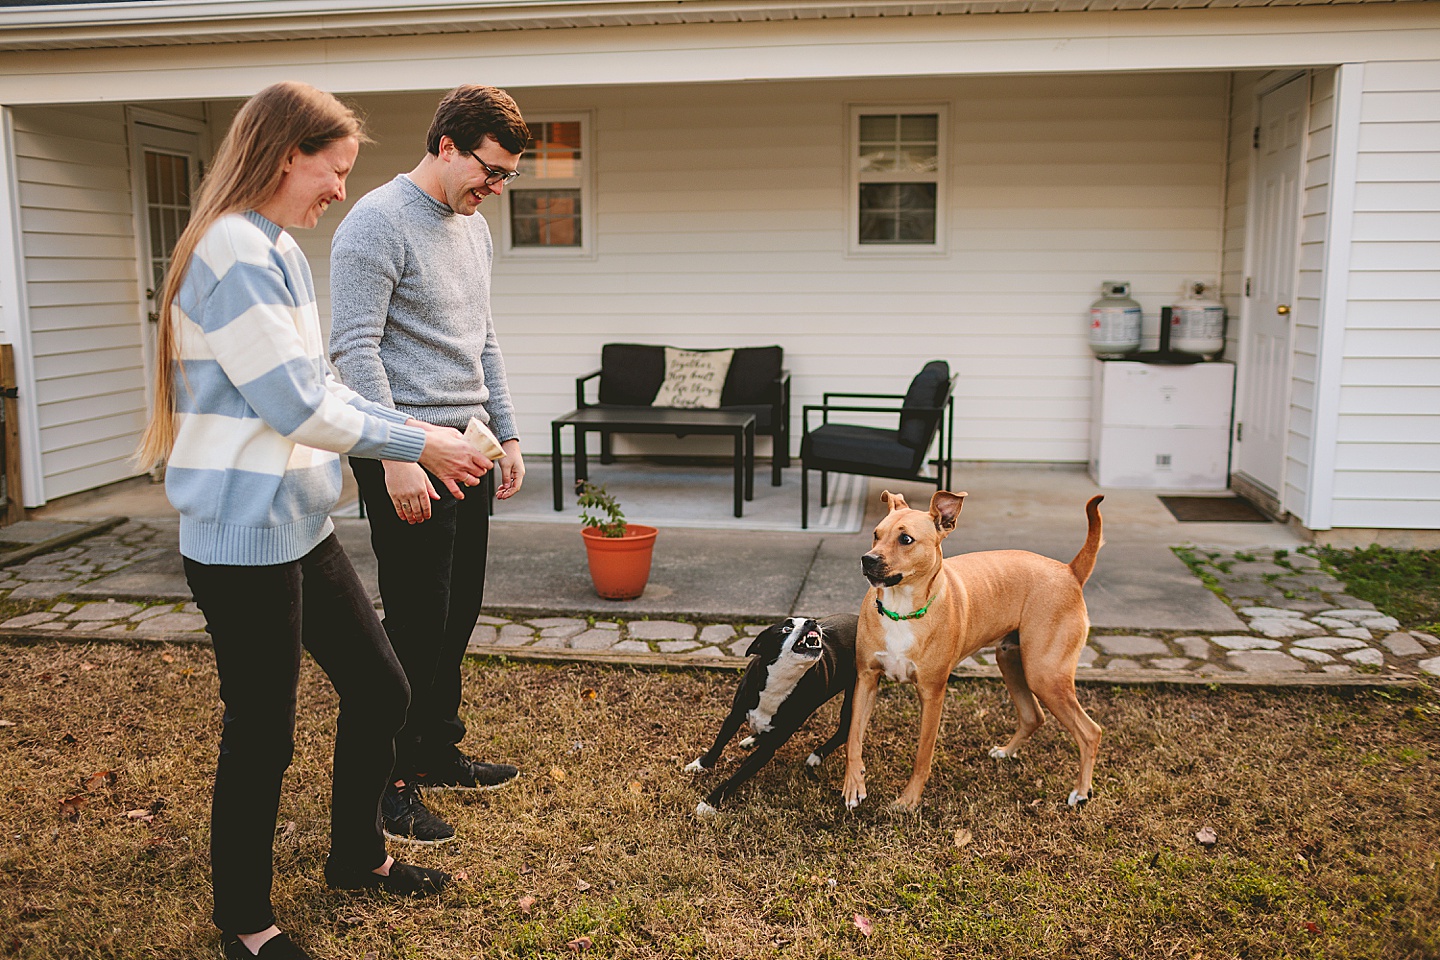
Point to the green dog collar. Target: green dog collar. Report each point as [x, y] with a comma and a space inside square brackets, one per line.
[903, 616]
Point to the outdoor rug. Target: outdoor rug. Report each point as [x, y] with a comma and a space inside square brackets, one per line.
[1213, 510]
[698, 497]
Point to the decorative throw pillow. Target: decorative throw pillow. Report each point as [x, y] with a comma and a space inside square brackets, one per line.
[693, 378]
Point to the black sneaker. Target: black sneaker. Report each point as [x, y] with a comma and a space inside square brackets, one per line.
[407, 819]
[460, 772]
[404, 879]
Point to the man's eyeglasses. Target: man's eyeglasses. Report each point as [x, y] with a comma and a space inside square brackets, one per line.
[493, 176]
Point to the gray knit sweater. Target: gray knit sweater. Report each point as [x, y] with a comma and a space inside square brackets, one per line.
[410, 298]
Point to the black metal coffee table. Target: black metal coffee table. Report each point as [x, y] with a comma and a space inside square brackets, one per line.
[740, 426]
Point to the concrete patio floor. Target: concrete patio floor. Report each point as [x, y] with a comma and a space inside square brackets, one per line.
[535, 568]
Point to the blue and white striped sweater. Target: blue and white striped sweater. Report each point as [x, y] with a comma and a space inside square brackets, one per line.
[261, 420]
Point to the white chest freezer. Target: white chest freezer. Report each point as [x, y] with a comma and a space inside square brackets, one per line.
[1161, 426]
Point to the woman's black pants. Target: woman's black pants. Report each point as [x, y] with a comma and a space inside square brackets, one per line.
[259, 619]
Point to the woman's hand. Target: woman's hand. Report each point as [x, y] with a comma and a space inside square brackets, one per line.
[450, 457]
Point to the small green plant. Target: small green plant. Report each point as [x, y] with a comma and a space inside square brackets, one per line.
[599, 509]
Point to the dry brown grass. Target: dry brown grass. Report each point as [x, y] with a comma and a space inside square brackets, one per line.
[1324, 805]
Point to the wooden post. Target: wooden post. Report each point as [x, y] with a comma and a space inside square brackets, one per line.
[14, 508]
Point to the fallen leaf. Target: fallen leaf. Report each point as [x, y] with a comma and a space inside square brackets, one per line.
[1312, 927]
[84, 667]
[580, 944]
[142, 815]
[288, 831]
[527, 903]
[100, 779]
[1037, 801]
[7, 723]
[461, 875]
[982, 713]
[863, 925]
[1206, 836]
[588, 848]
[167, 657]
[70, 806]
[635, 787]
[590, 694]
[557, 774]
[581, 885]
[963, 837]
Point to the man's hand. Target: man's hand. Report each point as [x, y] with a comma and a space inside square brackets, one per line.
[410, 490]
[512, 471]
[450, 457]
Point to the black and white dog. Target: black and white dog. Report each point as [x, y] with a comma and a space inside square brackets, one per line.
[799, 665]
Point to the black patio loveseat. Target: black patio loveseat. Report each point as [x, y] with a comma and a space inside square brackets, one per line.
[630, 375]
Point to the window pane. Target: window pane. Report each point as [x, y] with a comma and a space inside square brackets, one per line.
[182, 177]
[878, 127]
[553, 151]
[906, 143]
[897, 212]
[545, 218]
[877, 158]
[157, 242]
[152, 178]
[923, 127]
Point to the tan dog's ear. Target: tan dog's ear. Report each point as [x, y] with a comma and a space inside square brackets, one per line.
[894, 501]
[945, 509]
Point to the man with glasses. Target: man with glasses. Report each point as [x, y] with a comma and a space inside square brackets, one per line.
[411, 329]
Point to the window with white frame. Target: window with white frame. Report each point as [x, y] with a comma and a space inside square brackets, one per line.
[548, 208]
[898, 163]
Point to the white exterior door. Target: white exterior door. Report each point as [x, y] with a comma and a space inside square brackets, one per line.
[168, 170]
[1263, 399]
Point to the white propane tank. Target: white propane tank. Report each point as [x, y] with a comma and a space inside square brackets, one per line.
[1197, 322]
[1114, 321]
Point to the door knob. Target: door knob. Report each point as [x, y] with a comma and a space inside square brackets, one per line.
[1283, 309]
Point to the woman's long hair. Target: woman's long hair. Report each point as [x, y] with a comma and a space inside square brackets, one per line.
[244, 174]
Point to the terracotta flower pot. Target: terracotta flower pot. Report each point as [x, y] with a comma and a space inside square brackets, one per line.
[620, 566]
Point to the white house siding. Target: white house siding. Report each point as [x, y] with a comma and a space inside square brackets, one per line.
[80, 266]
[1387, 450]
[721, 221]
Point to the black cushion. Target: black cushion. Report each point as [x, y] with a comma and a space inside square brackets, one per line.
[920, 411]
[751, 380]
[631, 374]
[852, 444]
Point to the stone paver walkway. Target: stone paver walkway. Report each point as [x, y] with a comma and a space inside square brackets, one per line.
[1303, 626]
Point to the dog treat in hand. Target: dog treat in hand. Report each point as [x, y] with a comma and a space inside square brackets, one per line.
[482, 439]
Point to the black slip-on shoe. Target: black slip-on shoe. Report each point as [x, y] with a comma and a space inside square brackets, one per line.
[404, 879]
[278, 947]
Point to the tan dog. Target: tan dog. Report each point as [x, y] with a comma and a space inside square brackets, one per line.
[924, 614]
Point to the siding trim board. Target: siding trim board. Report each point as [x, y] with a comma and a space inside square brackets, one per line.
[15, 313]
[1334, 300]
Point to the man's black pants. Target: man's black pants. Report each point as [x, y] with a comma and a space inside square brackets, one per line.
[432, 584]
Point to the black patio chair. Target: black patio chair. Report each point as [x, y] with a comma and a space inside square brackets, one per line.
[926, 410]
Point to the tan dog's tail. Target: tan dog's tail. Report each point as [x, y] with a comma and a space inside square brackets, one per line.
[1084, 561]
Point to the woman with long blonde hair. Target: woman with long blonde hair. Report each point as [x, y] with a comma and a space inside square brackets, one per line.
[251, 423]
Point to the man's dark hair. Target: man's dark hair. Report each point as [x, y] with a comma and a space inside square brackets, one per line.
[470, 113]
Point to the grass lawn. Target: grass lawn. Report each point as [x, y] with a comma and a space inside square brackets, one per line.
[1323, 804]
[1403, 583]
